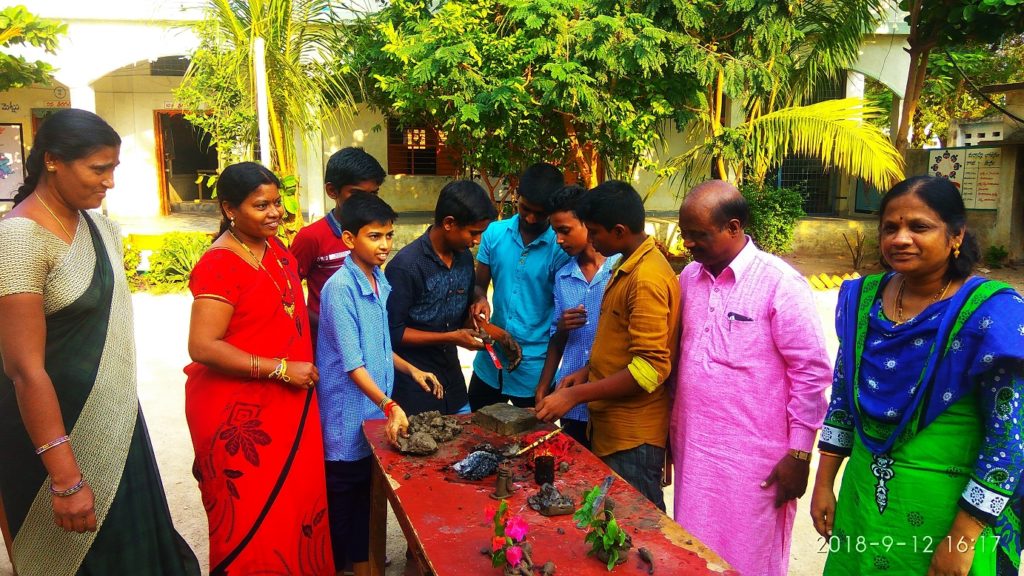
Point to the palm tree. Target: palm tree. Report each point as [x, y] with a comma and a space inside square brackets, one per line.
[775, 59]
[303, 94]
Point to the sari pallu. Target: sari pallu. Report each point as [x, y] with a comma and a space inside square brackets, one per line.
[259, 449]
[923, 403]
[90, 358]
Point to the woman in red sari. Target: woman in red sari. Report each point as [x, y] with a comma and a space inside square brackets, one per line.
[249, 399]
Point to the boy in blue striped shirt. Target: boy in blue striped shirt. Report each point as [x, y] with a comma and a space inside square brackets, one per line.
[357, 373]
[579, 289]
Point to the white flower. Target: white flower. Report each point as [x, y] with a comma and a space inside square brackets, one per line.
[876, 341]
[873, 384]
[986, 323]
[988, 358]
[947, 396]
[956, 345]
[918, 342]
[891, 413]
[1020, 329]
[891, 364]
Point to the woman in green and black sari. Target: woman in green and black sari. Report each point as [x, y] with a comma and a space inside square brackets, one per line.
[926, 403]
[79, 480]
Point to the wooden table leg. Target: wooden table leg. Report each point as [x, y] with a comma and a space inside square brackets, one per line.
[378, 521]
[6, 529]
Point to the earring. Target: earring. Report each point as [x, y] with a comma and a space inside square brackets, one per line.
[956, 250]
[50, 168]
[232, 222]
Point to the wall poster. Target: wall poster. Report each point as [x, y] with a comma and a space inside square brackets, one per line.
[975, 171]
[12, 153]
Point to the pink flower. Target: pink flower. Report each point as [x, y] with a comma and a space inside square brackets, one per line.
[497, 543]
[516, 528]
[514, 555]
[489, 512]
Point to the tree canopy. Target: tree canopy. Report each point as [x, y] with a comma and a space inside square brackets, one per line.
[19, 27]
[515, 81]
[943, 24]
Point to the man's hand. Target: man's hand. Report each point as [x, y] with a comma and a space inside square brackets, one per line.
[790, 476]
[572, 319]
[467, 338]
[576, 378]
[480, 312]
[556, 404]
[427, 381]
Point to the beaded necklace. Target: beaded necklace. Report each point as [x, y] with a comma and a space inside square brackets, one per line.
[287, 297]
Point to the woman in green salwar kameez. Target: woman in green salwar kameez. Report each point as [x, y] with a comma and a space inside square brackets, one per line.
[79, 480]
[926, 403]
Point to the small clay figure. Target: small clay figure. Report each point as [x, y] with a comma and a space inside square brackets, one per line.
[503, 486]
[646, 556]
[548, 569]
[550, 502]
[563, 467]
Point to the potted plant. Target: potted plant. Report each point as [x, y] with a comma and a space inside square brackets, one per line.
[608, 541]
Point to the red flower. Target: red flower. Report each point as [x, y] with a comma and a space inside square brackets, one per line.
[497, 543]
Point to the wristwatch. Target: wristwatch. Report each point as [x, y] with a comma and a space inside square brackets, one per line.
[800, 454]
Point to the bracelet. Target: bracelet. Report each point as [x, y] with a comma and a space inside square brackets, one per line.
[832, 454]
[977, 521]
[389, 408]
[73, 490]
[53, 444]
[254, 366]
[281, 372]
[383, 402]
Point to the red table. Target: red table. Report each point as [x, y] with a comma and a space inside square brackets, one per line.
[443, 517]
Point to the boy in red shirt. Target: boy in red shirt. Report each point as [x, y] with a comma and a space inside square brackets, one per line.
[318, 248]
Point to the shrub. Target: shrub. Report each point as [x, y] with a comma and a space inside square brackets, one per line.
[170, 267]
[773, 216]
[131, 259]
[995, 256]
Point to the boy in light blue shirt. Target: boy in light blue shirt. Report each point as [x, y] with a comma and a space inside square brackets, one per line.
[579, 289]
[520, 256]
[357, 373]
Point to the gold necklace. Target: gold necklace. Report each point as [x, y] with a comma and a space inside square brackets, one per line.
[38, 197]
[287, 297]
[899, 300]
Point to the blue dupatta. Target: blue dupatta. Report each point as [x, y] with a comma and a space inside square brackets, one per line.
[939, 325]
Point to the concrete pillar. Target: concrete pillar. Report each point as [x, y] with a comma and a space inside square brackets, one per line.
[82, 96]
[854, 84]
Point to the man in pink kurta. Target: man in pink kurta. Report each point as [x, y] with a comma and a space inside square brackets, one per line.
[750, 392]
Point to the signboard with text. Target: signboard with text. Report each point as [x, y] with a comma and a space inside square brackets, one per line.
[975, 171]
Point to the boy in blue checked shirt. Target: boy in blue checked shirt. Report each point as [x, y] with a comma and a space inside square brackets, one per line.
[357, 373]
[579, 288]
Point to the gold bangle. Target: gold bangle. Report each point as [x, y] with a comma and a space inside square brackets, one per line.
[832, 454]
[977, 521]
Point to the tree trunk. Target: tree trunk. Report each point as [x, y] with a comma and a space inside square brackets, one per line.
[583, 156]
[919, 49]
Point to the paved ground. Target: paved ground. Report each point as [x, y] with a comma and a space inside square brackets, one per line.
[161, 325]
